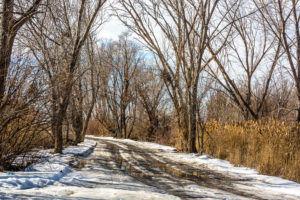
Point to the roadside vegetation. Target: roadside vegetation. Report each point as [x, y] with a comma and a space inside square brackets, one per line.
[272, 147]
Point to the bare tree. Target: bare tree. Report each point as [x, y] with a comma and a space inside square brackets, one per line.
[283, 98]
[251, 56]
[22, 118]
[283, 18]
[13, 16]
[58, 48]
[21, 109]
[93, 83]
[102, 111]
[121, 92]
[76, 110]
[86, 90]
[151, 92]
[178, 33]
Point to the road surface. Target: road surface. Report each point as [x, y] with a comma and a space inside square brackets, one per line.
[128, 170]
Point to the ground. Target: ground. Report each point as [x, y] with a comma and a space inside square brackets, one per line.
[107, 168]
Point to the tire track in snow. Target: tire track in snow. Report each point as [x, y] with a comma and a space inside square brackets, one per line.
[178, 179]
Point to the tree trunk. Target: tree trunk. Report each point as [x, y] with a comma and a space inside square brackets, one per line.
[298, 71]
[201, 150]
[192, 133]
[192, 123]
[68, 131]
[77, 125]
[152, 128]
[123, 122]
[58, 136]
[298, 110]
[4, 64]
[183, 131]
[77, 120]
[6, 43]
[9, 28]
[86, 122]
[185, 135]
[58, 127]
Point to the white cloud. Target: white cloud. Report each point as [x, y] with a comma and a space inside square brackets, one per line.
[112, 29]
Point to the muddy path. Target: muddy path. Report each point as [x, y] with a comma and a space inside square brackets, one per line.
[179, 179]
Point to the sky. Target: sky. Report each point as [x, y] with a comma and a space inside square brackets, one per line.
[112, 29]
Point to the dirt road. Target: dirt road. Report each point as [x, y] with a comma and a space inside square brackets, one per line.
[180, 179]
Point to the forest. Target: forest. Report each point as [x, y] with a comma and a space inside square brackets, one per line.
[205, 76]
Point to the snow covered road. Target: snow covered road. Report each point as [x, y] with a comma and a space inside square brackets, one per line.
[188, 176]
[126, 169]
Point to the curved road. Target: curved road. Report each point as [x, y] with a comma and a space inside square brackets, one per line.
[180, 179]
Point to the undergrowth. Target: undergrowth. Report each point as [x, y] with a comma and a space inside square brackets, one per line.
[271, 147]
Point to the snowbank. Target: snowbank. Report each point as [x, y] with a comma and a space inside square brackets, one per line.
[255, 181]
[51, 168]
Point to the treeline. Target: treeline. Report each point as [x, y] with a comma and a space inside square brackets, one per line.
[181, 65]
[45, 72]
[225, 60]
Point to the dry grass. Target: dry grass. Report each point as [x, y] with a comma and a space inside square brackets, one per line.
[272, 147]
[97, 129]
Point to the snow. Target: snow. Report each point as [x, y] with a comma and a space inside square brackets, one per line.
[50, 169]
[258, 183]
[148, 145]
[53, 178]
[83, 149]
